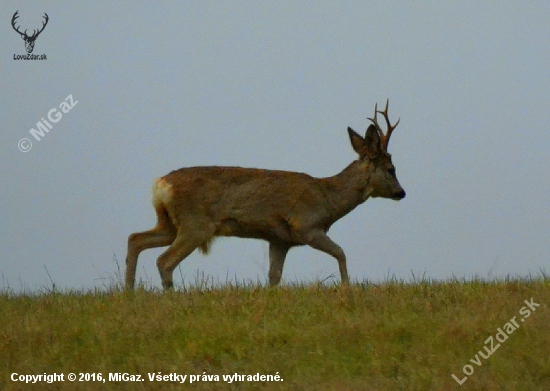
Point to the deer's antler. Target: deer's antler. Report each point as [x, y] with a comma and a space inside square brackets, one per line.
[15, 16]
[35, 32]
[384, 138]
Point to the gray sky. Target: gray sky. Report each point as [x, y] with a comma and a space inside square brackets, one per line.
[164, 85]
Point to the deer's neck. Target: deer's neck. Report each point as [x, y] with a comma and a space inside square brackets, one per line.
[348, 189]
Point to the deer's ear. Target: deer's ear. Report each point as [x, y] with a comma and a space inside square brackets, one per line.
[372, 141]
[357, 142]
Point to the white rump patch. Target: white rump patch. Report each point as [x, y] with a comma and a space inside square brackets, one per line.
[162, 192]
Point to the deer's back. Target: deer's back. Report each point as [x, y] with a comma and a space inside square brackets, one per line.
[245, 202]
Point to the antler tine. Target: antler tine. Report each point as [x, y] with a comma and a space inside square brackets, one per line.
[36, 33]
[386, 137]
[375, 121]
[13, 20]
[385, 114]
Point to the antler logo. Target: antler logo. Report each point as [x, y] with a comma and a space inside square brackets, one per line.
[29, 40]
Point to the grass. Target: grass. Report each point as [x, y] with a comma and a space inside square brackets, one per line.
[388, 336]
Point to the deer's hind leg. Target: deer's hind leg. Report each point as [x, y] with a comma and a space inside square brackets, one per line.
[163, 234]
[184, 244]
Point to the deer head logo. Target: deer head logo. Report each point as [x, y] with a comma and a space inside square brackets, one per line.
[29, 40]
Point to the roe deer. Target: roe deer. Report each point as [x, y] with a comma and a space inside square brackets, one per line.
[287, 209]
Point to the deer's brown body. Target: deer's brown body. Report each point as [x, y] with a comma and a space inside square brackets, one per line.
[287, 209]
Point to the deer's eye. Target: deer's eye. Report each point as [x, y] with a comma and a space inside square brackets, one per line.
[391, 171]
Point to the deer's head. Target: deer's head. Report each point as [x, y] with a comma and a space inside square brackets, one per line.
[29, 40]
[375, 159]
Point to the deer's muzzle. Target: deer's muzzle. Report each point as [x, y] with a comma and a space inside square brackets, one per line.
[399, 195]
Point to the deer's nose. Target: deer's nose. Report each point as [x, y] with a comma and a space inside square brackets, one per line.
[399, 195]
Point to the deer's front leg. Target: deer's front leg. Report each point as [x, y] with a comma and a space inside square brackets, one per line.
[277, 254]
[320, 241]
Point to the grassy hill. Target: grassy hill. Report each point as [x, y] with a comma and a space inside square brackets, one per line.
[387, 336]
